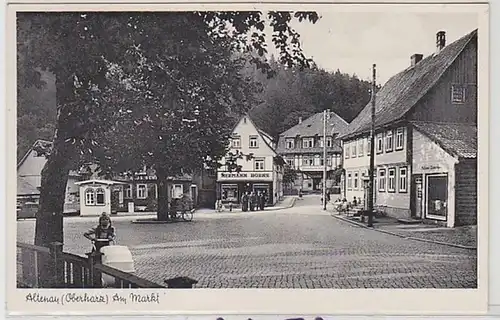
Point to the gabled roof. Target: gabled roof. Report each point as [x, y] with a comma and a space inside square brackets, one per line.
[404, 90]
[261, 132]
[457, 139]
[314, 126]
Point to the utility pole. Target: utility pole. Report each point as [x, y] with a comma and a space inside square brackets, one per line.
[324, 159]
[372, 153]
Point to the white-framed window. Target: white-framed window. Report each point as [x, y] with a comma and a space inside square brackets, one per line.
[236, 142]
[380, 143]
[290, 161]
[354, 149]
[89, 197]
[177, 190]
[361, 147]
[369, 146]
[356, 180]
[290, 143]
[253, 142]
[403, 179]
[381, 180]
[259, 164]
[457, 94]
[389, 141]
[142, 191]
[128, 192]
[391, 180]
[308, 161]
[329, 142]
[99, 197]
[400, 133]
[349, 180]
[347, 149]
[307, 143]
[362, 178]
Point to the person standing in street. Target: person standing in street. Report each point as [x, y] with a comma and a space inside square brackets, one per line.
[263, 199]
[253, 201]
[244, 202]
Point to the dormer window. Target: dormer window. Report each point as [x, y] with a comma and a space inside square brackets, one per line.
[290, 143]
[307, 143]
[328, 142]
[457, 94]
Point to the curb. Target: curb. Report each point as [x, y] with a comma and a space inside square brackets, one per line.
[287, 207]
[156, 221]
[358, 224]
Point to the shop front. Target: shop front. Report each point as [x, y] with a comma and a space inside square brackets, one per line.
[231, 185]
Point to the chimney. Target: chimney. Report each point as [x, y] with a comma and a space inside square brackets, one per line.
[440, 40]
[300, 120]
[416, 58]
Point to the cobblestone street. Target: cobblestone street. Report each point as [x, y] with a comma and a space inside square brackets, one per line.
[300, 247]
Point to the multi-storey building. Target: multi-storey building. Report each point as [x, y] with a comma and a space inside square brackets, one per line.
[302, 149]
[263, 172]
[425, 139]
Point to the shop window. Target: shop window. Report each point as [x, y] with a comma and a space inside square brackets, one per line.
[236, 142]
[457, 94]
[437, 196]
[89, 197]
[142, 191]
[361, 147]
[356, 180]
[99, 196]
[229, 192]
[349, 180]
[254, 142]
[391, 180]
[307, 143]
[290, 143]
[259, 164]
[381, 180]
[380, 143]
[400, 139]
[389, 141]
[403, 180]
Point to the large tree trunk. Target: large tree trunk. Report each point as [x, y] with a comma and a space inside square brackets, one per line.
[163, 196]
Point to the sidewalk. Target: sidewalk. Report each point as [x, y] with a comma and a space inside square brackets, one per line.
[287, 202]
[461, 237]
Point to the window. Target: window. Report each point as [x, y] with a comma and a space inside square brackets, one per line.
[457, 94]
[254, 142]
[307, 143]
[142, 191]
[290, 161]
[99, 196]
[236, 142]
[349, 180]
[362, 183]
[89, 197]
[356, 178]
[329, 142]
[400, 139]
[128, 192]
[177, 191]
[307, 161]
[391, 181]
[346, 150]
[353, 149]
[381, 180]
[380, 143]
[361, 147]
[369, 146]
[259, 164]
[290, 143]
[403, 181]
[389, 141]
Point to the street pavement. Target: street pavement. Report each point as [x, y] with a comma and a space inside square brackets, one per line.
[299, 247]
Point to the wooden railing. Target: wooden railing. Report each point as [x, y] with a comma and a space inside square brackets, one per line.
[40, 267]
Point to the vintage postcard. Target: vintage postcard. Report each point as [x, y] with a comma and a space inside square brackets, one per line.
[270, 158]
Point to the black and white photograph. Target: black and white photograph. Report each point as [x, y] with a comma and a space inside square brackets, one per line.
[263, 149]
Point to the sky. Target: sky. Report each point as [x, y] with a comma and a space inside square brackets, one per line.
[353, 41]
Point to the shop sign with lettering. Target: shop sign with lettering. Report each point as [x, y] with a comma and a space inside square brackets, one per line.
[244, 176]
[429, 167]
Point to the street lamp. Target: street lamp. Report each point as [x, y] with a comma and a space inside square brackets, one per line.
[326, 114]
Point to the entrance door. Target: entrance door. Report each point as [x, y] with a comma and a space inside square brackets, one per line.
[194, 195]
[417, 197]
[317, 185]
[437, 196]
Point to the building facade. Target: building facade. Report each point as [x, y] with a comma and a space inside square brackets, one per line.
[302, 149]
[425, 139]
[262, 172]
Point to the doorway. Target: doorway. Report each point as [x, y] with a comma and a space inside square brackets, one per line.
[437, 196]
[262, 188]
[416, 202]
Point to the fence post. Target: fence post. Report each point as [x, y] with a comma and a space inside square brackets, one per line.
[57, 264]
[95, 275]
